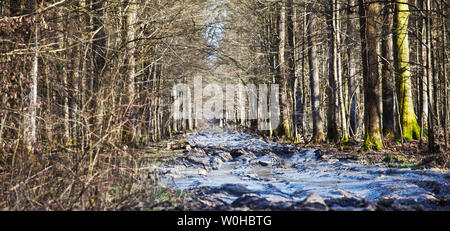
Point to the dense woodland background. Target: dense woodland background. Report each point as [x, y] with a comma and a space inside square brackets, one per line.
[83, 81]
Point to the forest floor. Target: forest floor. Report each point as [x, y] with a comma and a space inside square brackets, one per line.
[407, 155]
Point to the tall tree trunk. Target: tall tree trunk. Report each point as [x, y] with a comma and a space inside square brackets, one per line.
[318, 133]
[351, 72]
[342, 90]
[332, 116]
[431, 102]
[444, 74]
[369, 27]
[286, 67]
[421, 53]
[63, 72]
[387, 73]
[131, 65]
[410, 127]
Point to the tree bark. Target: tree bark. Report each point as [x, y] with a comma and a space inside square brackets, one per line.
[351, 71]
[431, 113]
[410, 127]
[318, 133]
[286, 66]
[444, 74]
[131, 65]
[387, 73]
[333, 107]
[30, 119]
[369, 27]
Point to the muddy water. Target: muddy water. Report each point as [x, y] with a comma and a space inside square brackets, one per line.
[239, 163]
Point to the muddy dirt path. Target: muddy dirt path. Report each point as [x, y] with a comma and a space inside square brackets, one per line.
[226, 170]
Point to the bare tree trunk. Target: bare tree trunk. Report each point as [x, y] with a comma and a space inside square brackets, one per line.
[318, 134]
[341, 83]
[372, 113]
[63, 72]
[444, 74]
[333, 107]
[30, 118]
[131, 45]
[431, 113]
[421, 53]
[387, 73]
[286, 67]
[351, 72]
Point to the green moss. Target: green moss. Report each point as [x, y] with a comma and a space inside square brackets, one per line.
[345, 139]
[402, 165]
[71, 143]
[372, 143]
[411, 130]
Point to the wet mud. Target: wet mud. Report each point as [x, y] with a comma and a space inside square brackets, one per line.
[226, 170]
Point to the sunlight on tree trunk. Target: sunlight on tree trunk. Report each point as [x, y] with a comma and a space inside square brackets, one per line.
[410, 127]
[318, 133]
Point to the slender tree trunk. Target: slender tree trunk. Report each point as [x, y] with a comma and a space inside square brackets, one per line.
[286, 67]
[30, 119]
[431, 102]
[341, 83]
[332, 116]
[372, 113]
[131, 65]
[304, 45]
[421, 53]
[351, 72]
[444, 74]
[387, 73]
[318, 134]
[63, 72]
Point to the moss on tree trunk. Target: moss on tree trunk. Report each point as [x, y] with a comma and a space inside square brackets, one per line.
[410, 127]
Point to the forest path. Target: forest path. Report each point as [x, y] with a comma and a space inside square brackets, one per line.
[236, 170]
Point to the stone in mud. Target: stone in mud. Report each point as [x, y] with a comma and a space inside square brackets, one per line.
[233, 189]
[346, 201]
[283, 150]
[224, 156]
[215, 162]
[322, 155]
[196, 152]
[179, 145]
[246, 158]
[197, 160]
[256, 202]
[267, 161]
[237, 152]
[314, 202]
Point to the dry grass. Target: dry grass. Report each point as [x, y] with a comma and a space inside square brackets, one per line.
[66, 179]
